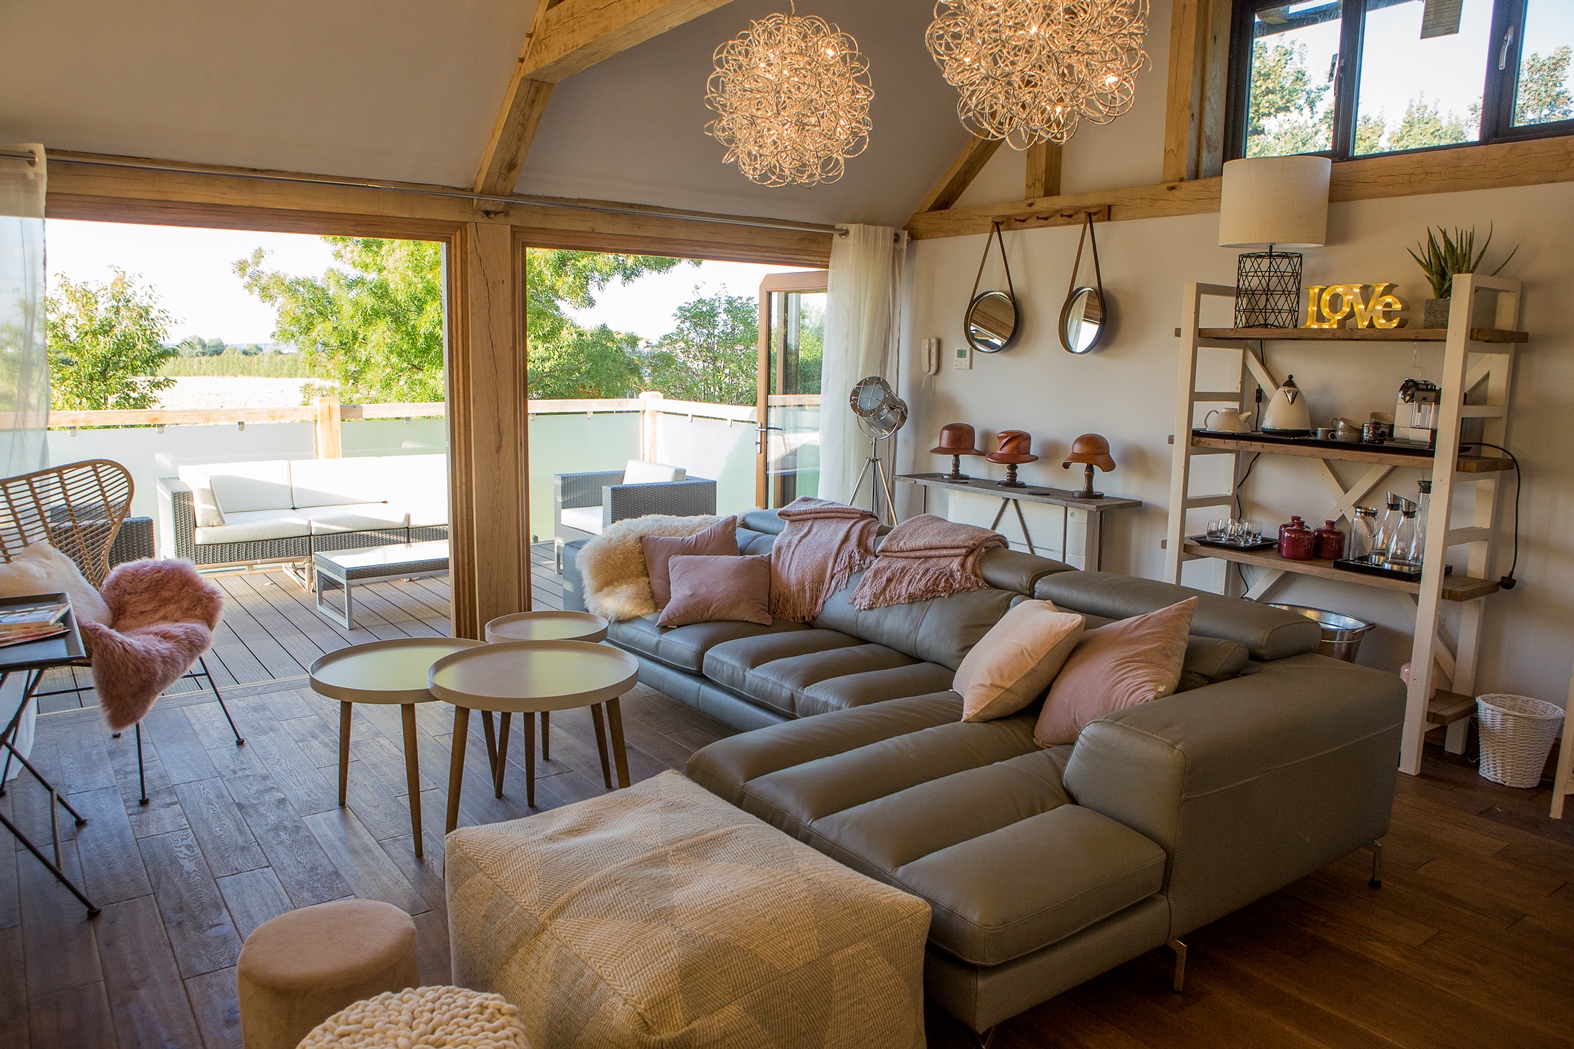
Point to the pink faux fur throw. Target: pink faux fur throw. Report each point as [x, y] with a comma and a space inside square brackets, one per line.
[164, 618]
[925, 557]
[823, 544]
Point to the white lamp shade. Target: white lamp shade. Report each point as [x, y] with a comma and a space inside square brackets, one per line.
[1274, 200]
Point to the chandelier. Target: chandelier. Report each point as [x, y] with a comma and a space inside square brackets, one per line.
[791, 96]
[1030, 70]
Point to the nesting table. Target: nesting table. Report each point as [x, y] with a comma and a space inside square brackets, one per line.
[529, 677]
[388, 672]
[345, 569]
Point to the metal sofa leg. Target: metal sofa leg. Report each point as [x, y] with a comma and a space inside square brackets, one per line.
[142, 779]
[1377, 864]
[1180, 964]
[984, 1039]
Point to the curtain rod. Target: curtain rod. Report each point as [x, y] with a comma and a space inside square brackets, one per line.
[18, 154]
[565, 203]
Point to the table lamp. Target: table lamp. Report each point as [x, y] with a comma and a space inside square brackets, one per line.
[1273, 202]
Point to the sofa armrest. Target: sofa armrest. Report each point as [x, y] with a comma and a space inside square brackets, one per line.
[177, 518]
[694, 497]
[582, 489]
[1249, 784]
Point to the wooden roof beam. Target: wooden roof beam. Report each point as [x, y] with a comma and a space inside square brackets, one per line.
[963, 170]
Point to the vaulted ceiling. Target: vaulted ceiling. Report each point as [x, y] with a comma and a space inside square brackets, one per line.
[411, 89]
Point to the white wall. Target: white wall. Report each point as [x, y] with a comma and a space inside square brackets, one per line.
[1126, 391]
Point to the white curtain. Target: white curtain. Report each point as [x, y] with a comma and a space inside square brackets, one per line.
[24, 361]
[862, 321]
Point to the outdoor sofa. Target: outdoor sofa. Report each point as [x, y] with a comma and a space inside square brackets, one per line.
[1043, 867]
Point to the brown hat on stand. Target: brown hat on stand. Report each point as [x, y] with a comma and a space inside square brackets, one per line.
[1016, 446]
[956, 439]
[1090, 448]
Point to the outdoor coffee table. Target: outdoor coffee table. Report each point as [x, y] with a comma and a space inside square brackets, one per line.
[526, 677]
[546, 625]
[343, 569]
[385, 672]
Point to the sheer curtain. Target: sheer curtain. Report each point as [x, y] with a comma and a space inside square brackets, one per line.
[24, 361]
[862, 321]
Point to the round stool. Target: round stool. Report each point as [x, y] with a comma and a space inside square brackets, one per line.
[300, 968]
[422, 1016]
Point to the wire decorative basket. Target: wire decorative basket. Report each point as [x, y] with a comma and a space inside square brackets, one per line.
[1516, 736]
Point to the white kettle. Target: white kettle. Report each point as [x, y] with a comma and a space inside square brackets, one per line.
[1229, 421]
[1287, 414]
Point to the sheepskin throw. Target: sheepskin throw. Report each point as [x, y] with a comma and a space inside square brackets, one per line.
[422, 1018]
[612, 564]
[823, 544]
[925, 557]
[164, 618]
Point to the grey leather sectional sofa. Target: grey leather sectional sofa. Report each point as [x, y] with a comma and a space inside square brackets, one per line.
[1044, 867]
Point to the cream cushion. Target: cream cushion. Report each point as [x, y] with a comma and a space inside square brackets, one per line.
[354, 517]
[661, 916]
[256, 526]
[419, 485]
[1015, 661]
[204, 502]
[246, 487]
[584, 518]
[637, 471]
[332, 482]
[39, 568]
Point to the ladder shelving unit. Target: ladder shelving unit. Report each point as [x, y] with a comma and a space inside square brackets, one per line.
[1479, 347]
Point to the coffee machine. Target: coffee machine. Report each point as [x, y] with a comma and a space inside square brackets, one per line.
[1415, 413]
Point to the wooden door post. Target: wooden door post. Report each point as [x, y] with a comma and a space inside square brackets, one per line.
[329, 427]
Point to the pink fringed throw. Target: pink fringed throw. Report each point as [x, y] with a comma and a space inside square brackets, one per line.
[164, 618]
[925, 557]
[823, 544]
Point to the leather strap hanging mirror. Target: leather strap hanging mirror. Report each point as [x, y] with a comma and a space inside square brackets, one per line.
[992, 323]
[1084, 318]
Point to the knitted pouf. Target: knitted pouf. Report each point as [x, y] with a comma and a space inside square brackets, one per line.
[422, 1018]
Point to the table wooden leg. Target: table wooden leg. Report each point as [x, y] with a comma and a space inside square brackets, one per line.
[500, 765]
[601, 742]
[491, 742]
[412, 772]
[530, 760]
[619, 754]
[456, 765]
[344, 750]
[546, 736]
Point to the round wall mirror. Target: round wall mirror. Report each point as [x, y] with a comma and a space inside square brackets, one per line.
[1082, 320]
[992, 322]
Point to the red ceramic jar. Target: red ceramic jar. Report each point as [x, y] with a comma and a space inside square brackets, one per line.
[1330, 541]
[1296, 541]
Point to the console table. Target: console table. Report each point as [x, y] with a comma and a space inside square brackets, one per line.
[1015, 497]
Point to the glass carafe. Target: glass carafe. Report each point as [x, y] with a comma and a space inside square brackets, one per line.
[1363, 532]
[1387, 527]
[1400, 544]
[1423, 507]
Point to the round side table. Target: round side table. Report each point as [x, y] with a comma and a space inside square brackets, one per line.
[527, 677]
[546, 625]
[387, 672]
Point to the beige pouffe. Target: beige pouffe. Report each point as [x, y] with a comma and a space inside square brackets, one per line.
[662, 916]
[422, 1018]
[300, 968]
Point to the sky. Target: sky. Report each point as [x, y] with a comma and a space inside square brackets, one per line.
[192, 272]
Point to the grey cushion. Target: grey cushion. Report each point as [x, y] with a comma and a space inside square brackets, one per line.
[873, 686]
[1014, 570]
[684, 647]
[770, 669]
[1267, 633]
[942, 630]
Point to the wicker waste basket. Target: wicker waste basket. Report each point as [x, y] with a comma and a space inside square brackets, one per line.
[1516, 737]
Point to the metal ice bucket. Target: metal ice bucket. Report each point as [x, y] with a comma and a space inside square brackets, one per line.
[1341, 634]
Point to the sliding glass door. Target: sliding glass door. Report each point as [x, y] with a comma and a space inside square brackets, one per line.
[792, 347]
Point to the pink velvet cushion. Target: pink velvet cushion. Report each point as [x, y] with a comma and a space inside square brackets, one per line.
[1014, 663]
[719, 540]
[1116, 666]
[710, 589]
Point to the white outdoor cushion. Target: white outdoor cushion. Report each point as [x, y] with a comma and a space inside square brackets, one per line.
[202, 498]
[427, 511]
[246, 487]
[584, 518]
[337, 482]
[415, 478]
[254, 526]
[354, 517]
[640, 472]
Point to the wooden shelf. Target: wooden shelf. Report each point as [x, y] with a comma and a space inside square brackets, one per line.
[1351, 453]
[1445, 707]
[1455, 588]
[1493, 335]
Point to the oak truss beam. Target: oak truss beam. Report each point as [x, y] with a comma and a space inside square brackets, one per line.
[1198, 83]
[963, 170]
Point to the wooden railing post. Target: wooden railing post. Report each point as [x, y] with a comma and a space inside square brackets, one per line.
[329, 427]
[649, 422]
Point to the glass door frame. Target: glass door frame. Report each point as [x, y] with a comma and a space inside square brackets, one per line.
[799, 281]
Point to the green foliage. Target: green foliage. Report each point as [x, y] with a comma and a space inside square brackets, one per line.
[244, 361]
[1424, 125]
[712, 355]
[106, 344]
[1544, 88]
[197, 346]
[375, 326]
[1454, 253]
[1286, 113]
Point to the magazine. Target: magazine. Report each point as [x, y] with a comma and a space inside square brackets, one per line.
[32, 623]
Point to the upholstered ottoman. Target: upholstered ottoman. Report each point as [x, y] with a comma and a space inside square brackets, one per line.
[662, 916]
[300, 968]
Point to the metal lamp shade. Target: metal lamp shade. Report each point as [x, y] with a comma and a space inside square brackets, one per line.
[1277, 202]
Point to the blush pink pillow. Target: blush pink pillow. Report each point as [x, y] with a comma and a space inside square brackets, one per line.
[711, 589]
[719, 540]
[1116, 666]
[1014, 663]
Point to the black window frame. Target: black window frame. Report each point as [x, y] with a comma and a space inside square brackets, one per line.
[1504, 58]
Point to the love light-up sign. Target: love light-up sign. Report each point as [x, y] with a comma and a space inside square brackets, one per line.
[1328, 307]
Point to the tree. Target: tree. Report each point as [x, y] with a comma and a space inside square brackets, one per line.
[374, 327]
[1285, 113]
[1424, 125]
[197, 346]
[1544, 89]
[712, 354]
[106, 345]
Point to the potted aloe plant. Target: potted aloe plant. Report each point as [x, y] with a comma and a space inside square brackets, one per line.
[1444, 255]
